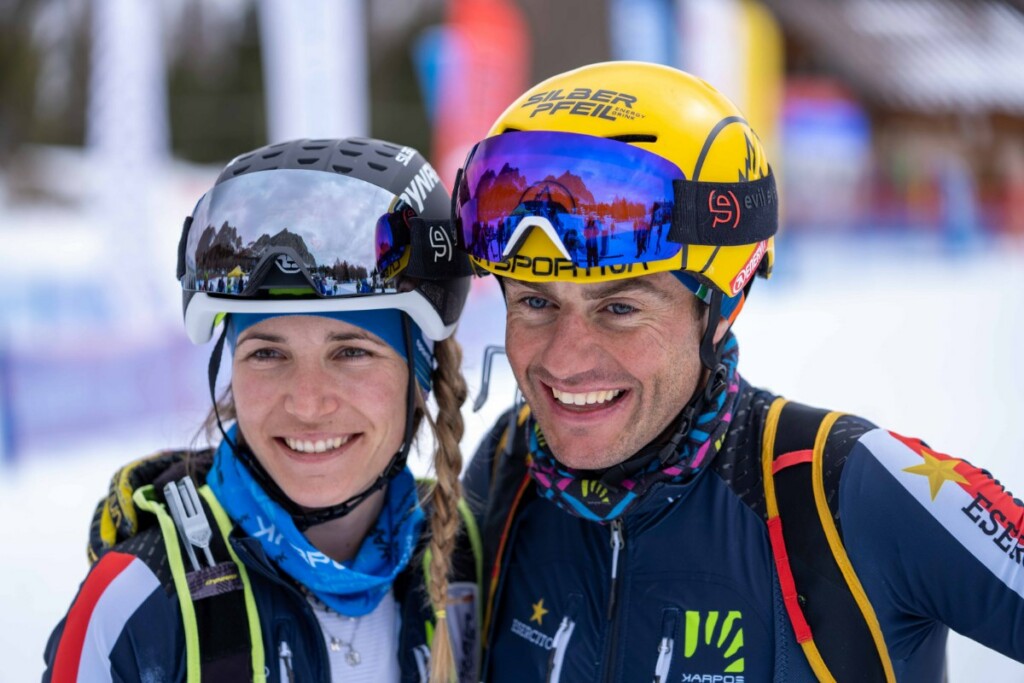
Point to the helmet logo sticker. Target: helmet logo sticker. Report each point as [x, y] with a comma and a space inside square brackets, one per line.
[725, 207]
[602, 104]
[749, 268]
[752, 164]
[286, 264]
[420, 186]
[404, 155]
[441, 243]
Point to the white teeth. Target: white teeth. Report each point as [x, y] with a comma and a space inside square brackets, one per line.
[589, 398]
[321, 446]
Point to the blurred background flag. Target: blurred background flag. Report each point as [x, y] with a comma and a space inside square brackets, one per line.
[479, 65]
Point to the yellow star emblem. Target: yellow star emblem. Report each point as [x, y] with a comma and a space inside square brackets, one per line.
[538, 611]
[937, 471]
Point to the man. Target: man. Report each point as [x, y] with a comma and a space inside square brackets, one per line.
[649, 515]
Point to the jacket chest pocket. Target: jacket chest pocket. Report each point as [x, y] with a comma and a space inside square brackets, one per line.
[667, 645]
[563, 638]
[699, 645]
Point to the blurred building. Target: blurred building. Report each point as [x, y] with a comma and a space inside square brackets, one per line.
[929, 101]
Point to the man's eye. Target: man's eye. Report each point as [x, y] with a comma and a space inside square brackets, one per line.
[621, 309]
[535, 302]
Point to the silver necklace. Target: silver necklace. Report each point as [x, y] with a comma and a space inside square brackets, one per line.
[352, 656]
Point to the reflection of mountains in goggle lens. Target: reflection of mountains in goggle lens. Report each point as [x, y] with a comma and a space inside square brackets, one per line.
[324, 220]
[607, 202]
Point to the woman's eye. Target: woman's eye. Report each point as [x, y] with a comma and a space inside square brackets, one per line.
[621, 309]
[265, 354]
[352, 352]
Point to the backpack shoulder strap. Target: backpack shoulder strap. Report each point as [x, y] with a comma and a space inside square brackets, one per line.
[223, 638]
[509, 489]
[832, 618]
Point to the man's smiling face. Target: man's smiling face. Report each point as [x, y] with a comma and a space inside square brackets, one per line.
[605, 367]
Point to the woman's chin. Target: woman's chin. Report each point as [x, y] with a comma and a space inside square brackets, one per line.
[310, 501]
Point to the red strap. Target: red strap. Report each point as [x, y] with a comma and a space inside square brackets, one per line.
[793, 458]
[69, 652]
[789, 596]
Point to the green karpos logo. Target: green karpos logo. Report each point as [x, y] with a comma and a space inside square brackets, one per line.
[726, 636]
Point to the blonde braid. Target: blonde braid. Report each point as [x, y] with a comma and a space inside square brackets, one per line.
[450, 392]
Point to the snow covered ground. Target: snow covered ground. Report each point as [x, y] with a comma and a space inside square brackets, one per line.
[909, 334]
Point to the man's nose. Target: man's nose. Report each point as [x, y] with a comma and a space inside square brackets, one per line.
[573, 345]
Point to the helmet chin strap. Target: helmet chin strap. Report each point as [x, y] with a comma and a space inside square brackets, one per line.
[305, 518]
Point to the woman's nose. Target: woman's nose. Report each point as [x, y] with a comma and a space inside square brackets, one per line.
[312, 393]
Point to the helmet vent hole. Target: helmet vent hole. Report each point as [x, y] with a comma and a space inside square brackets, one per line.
[240, 170]
[389, 155]
[390, 146]
[271, 155]
[376, 167]
[351, 152]
[313, 148]
[306, 161]
[634, 138]
[357, 141]
[341, 169]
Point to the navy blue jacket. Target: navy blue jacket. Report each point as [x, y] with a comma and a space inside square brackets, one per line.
[933, 540]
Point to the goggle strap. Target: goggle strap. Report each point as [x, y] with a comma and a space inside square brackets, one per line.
[433, 255]
[724, 214]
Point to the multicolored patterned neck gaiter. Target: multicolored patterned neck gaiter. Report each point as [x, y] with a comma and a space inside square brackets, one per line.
[587, 494]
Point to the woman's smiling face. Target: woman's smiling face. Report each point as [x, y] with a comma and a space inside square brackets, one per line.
[321, 403]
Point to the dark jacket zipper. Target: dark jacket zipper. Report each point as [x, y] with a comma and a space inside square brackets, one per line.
[618, 543]
[252, 563]
[666, 645]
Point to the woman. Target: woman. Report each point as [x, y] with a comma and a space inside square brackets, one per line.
[302, 568]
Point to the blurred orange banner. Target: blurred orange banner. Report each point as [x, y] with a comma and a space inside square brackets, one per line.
[483, 70]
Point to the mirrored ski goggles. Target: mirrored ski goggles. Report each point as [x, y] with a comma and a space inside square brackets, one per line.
[338, 235]
[601, 202]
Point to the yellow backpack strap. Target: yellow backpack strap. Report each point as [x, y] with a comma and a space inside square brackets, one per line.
[831, 616]
[145, 499]
[206, 628]
[224, 525]
[839, 552]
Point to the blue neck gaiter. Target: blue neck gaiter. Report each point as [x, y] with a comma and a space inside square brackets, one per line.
[352, 588]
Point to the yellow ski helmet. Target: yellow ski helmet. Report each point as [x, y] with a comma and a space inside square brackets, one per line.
[617, 170]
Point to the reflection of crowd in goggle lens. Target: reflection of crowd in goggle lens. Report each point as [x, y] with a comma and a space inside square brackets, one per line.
[613, 233]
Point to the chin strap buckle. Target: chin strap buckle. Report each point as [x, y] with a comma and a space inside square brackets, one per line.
[716, 383]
